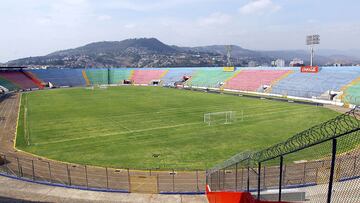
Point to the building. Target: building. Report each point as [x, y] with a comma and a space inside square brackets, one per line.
[296, 62]
[252, 64]
[278, 63]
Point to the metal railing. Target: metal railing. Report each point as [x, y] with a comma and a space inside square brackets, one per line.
[102, 179]
[317, 161]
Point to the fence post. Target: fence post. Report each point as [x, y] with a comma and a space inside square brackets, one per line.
[50, 176]
[107, 178]
[129, 183]
[86, 176]
[224, 181]
[5, 163]
[173, 180]
[33, 170]
[259, 181]
[19, 167]
[68, 173]
[264, 178]
[197, 180]
[354, 168]
[304, 175]
[236, 175]
[248, 179]
[242, 178]
[281, 176]
[331, 179]
[157, 183]
[218, 172]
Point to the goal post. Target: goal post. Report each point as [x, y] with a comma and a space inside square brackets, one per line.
[225, 117]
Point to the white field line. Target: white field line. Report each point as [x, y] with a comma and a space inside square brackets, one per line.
[95, 129]
[123, 117]
[149, 129]
[118, 133]
[102, 142]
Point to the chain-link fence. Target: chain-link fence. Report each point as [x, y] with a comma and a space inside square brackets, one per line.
[103, 179]
[320, 164]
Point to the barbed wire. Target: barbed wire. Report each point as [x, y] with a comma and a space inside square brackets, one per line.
[344, 124]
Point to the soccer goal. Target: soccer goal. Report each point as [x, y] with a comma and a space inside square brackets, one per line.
[103, 87]
[225, 117]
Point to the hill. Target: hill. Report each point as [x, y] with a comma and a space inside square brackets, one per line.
[150, 52]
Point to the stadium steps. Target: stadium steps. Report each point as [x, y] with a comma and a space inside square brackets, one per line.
[176, 75]
[144, 77]
[117, 76]
[85, 77]
[8, 84]
[346, 87]
[97, 76]
[252, 80]
[209, 77]
[268, 90]
[32, 77]
[61, 77]
[310, 85]
[19, 79]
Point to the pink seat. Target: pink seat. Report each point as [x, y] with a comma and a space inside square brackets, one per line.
[252, 80]
[146, 76]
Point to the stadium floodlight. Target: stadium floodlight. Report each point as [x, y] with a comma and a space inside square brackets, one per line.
[228, 55]
[225, 117]
[312, 40]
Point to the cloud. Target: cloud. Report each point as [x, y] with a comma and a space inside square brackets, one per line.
[215, 19]
[104, 17]
[145, 5]
[259, 7]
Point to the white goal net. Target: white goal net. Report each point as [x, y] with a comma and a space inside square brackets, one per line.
[225, 117]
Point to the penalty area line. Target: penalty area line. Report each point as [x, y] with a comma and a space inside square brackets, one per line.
[121, 133]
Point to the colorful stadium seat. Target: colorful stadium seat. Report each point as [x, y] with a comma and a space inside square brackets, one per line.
[98, 76]
[177, 74]
[61, 77]
[209, 77]
[8, 84]
[315, 84]
[252, 80]
[118, 75]
[19, 78]
[144, 77]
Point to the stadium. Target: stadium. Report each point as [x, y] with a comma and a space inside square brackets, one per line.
[277, 133]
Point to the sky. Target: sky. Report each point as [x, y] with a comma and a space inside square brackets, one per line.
[38, 27]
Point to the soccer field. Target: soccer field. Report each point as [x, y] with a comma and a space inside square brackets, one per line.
[153, 127]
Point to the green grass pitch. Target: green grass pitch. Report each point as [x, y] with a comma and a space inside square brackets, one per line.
[125, 126]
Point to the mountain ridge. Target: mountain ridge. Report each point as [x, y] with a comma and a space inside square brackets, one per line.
[151, 52]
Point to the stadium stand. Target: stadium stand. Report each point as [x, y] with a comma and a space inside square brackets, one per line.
[8, 84]
[315, 84]
[253, 80]
[117, 76]
[209, 77]
[177, 74]
[143, 77]
[61, 77]
[98, 76]
[38, 82]
[19, 78]
[352, 92]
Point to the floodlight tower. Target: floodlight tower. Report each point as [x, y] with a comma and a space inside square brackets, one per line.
[312, 40]
[228, 54]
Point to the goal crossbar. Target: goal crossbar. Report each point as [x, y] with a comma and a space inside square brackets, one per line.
[225, 117]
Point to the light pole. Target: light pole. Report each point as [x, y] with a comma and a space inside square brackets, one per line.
[311, 40]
